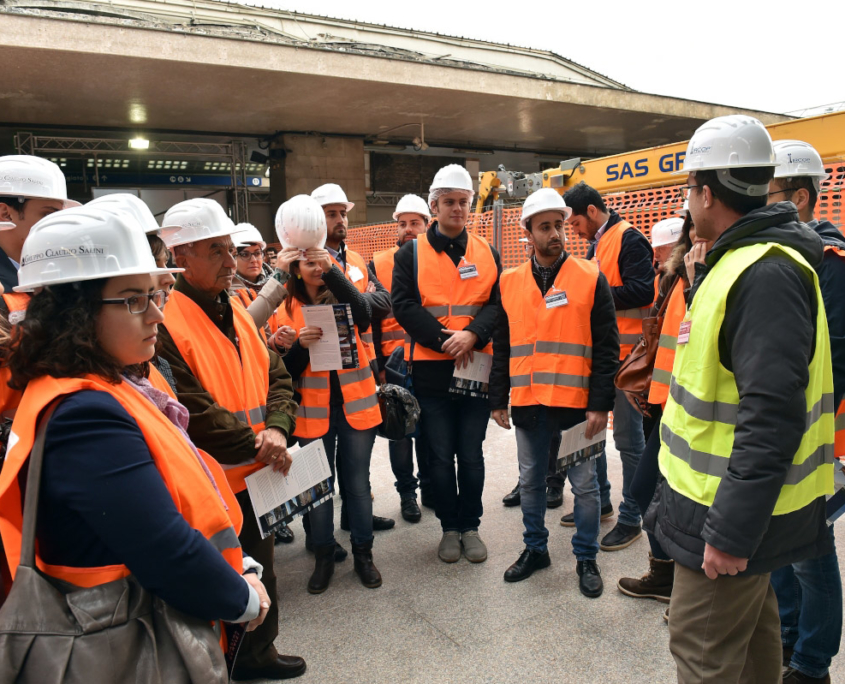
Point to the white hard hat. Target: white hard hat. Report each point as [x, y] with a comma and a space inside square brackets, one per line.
[545, 199]
[301, 223]
[731, 142]
[331, 193]
[798, 158]
[247, 234]
[684, 210]
[28, 177]
[666, 232]
[194, 220]
[453, 177]
[85, 243]
[411, 204]
[135, 206]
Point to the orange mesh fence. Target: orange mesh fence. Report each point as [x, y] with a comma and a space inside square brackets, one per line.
[641, 208]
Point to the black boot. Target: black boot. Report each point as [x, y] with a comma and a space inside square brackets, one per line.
[340, 553]
[323, 569]
[529, 561]
[369, 574]
[590, 583]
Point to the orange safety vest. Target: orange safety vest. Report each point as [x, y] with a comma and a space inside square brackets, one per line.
[358, 386]
[453, 301]
[247, 296]
[10, 399]
[676, 309]
[355, 259]
[839, 440]
[630, 321]
[392, 334]
[193, 493]
[551, 348]
[238, 379]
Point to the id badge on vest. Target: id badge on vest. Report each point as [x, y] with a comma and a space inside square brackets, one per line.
[467, 270]
[555, 298]
[355, 274]
[683, 332]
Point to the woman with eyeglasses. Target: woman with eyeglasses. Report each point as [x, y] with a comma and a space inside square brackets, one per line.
[124, 492]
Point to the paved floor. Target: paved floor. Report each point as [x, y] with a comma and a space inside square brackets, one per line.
[435, 623]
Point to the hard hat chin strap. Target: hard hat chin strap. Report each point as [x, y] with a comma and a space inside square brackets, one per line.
[741, 187]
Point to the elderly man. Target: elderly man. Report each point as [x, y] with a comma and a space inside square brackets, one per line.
[239, 394]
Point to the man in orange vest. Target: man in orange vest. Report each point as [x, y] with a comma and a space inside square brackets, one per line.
[412, 217]
[555, 353]
[239, 394]
[445, 291]
[810, 592]
[336, 207]
[625, 257]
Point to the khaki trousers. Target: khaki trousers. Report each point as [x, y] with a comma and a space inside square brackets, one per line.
[724, 631]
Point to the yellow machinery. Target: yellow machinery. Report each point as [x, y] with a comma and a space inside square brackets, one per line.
[652, 167]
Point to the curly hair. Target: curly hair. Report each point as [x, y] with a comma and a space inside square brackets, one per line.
[58, 337]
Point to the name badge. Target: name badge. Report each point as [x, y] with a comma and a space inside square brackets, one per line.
[556, 299]
[683, 333]
[468, 271]
[355, 274]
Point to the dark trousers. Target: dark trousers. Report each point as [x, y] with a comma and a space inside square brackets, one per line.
[402, 464]
[455, 427]
[555, 478]
[644, 485]
[258, 649]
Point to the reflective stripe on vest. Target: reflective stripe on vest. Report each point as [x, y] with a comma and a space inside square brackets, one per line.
[198, 498]
[237, 379]
[607, 254]
[697, 431]
[553, 370]
[392, 334]
[452, 301]
[358, 386]
[665, 358]
[355, 259]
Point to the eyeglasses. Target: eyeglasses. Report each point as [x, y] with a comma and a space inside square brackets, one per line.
[686, 190]
[246, 256]
[777, 192]
[138, 304]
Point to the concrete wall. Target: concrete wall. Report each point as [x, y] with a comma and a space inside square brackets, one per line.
[315, 159]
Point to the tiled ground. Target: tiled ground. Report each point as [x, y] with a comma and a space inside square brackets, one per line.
[435, 623]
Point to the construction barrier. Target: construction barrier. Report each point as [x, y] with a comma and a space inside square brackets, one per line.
[642, 208]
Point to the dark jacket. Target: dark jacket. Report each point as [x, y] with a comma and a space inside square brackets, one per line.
[380, 299]
[636, 267]
[832, 284]
[767, 341]
[8, 272]
[432, 378]
[213, 428]
[605, 358]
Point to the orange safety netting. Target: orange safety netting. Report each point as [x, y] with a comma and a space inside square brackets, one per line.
[642, 208]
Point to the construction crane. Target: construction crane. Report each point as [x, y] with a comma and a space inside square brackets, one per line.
[651, 167]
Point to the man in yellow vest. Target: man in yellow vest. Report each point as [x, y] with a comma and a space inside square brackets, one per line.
[239, 394]
[747, 432]
[626, 258]
[336, 207]
[810, 592]
[412, 217]
[555, 353]
[445, 292]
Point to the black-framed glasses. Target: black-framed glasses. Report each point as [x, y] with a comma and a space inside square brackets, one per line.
[246, 256]
[686, 190]
[138, 304]
[777, 192]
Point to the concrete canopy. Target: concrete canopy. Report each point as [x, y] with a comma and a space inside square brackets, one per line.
[138, 75]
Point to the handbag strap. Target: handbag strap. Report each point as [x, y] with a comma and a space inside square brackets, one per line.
[33, 487]
[665, 301]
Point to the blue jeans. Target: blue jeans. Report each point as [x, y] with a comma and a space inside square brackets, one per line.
[810, 605]
[402, 464]
[630, 442]
[455, 428]
[533, 455]
[353, 448]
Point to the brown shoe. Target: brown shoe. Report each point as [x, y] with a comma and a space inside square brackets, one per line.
[655, 584]
[364, 567]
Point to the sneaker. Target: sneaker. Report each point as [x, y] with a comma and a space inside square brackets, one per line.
[569, 519]
[512, 499]
[655, 584]
[793, 676]
[589, 581]
[450, 547]
[529, 561]
[474, 548]
[621, 537]
[554, 497]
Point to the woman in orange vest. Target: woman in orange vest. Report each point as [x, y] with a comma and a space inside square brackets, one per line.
[340, 407]
[123, 491]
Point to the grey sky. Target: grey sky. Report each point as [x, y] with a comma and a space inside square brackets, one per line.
[768, 56]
